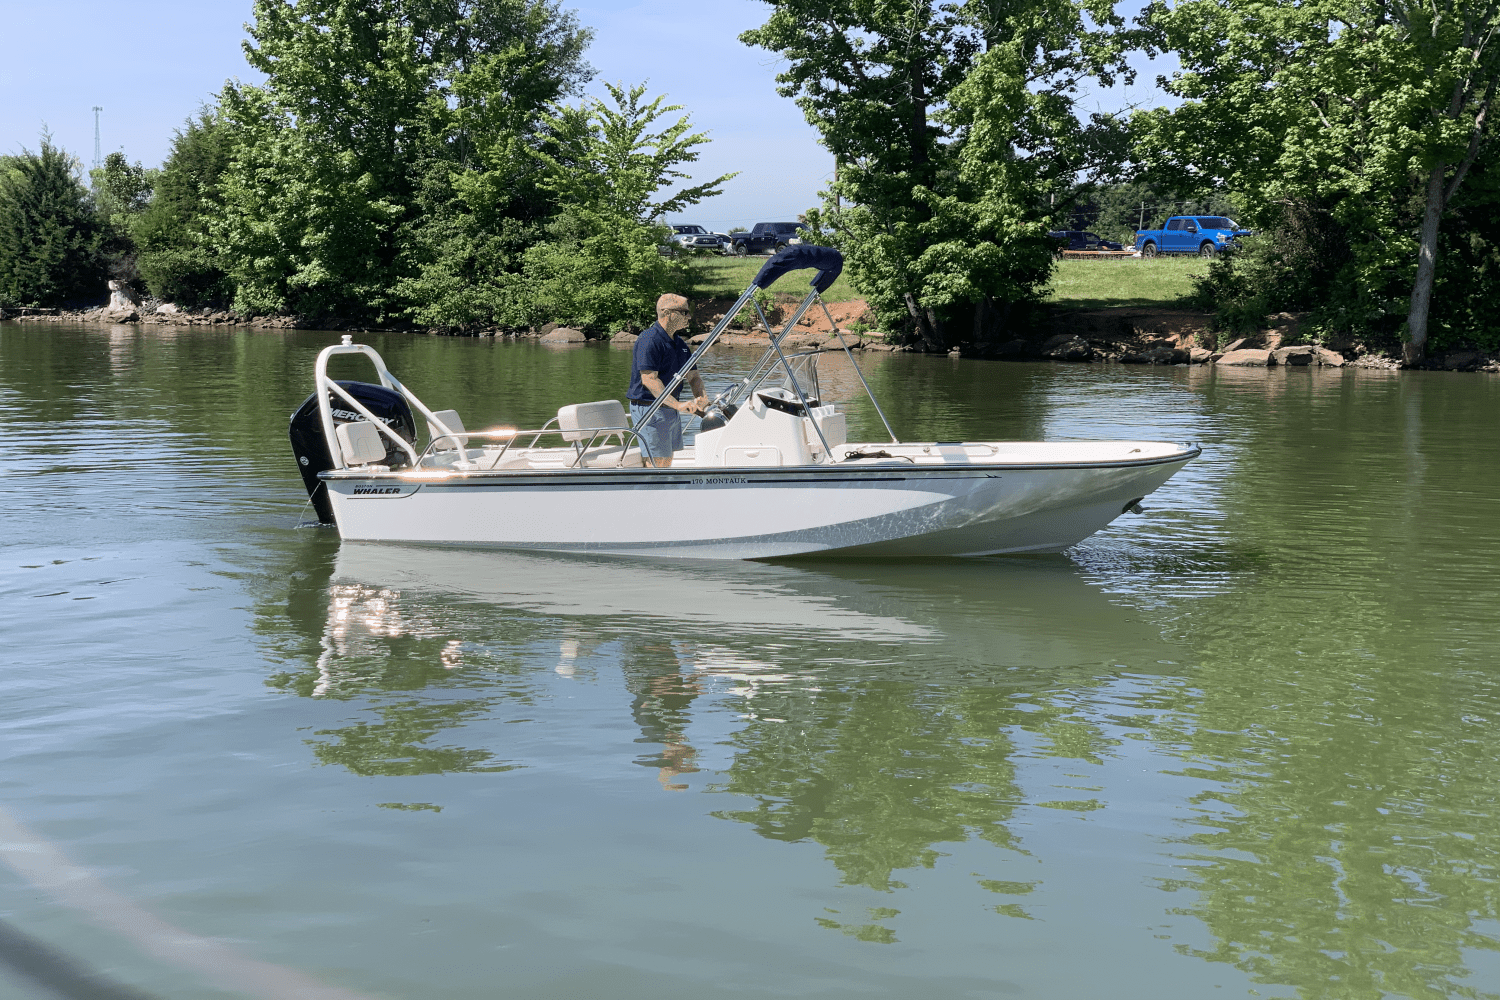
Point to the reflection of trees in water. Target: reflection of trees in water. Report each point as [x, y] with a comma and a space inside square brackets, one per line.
[1351, 838]
[881, 773]
[1344, 706]
[397, 744]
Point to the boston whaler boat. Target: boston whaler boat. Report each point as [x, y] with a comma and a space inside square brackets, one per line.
[771, 473]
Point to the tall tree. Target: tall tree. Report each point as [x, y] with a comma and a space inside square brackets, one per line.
[175, 254]
[50, 237]
[121, 192]
[900, 92]
[614, 168]
[361, 98]
[478, 205]
[1361, 117]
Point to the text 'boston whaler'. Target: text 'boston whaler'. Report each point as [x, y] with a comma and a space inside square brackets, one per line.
[771, 473]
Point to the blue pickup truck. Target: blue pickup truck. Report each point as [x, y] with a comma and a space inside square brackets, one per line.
[1204, 235]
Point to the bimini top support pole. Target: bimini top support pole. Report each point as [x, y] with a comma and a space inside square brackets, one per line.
[875, 402]
[792, 376]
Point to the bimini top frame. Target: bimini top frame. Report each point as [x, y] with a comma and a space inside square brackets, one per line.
[829, 264]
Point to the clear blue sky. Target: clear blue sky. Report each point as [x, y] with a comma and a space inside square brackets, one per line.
[151, 63]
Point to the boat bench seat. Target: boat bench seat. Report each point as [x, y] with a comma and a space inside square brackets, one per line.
[611, 457]
[598, 424]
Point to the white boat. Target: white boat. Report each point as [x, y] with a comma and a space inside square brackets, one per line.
[770, 475]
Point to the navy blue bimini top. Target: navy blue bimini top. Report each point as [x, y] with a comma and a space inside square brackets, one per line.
[656, 351]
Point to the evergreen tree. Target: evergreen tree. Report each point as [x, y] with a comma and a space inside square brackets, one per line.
[50, 237]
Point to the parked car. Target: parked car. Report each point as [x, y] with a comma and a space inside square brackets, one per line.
[697, 238]
[766, 237]
[1077, 239]
[1204, 235]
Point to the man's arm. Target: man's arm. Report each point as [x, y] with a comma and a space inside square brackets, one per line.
[700, 395]
[653, 384]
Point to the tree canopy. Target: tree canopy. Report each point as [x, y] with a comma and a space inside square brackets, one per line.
[433, 162]
[1348, 128]
[50, 236]
[956, 133]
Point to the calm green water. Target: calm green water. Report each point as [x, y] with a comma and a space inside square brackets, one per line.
[1243, 745]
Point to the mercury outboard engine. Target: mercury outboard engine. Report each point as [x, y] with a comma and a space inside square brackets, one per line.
[313, 454]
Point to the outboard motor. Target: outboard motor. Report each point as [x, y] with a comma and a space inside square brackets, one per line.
[312, 451]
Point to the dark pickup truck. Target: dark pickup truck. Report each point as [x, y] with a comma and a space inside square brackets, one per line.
[766, 237]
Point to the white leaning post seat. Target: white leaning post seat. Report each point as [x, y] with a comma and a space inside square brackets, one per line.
[584, 422]
[360, 443]
[454, 423]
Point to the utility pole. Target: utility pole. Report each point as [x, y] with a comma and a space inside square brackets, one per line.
[1141, 224]
[97, 160]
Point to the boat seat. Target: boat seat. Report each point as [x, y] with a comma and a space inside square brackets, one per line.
[492, 459]
[586, 421]
[611, 457]
[454, 423]
[360, 443]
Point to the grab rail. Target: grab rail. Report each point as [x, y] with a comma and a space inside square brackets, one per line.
[325, 385]
[509, 436]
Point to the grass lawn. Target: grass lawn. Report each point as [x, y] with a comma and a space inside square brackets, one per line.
[1124, 281]
[1076, 284]
[727, 277]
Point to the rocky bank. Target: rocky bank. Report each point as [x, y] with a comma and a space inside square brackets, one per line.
[1124, 335]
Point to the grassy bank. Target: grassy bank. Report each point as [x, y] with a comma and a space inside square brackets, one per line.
[1124, 281]
[727, 277]
[1076, 284]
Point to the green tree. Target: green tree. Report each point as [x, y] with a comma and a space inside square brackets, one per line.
[478, 201]
[362, 98]
[50, 238]
[955, 129]
[121, 191]
[175, 254]
[611, 175]
[1353, 120]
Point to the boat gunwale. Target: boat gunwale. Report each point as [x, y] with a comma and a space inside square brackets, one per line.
[691, 475]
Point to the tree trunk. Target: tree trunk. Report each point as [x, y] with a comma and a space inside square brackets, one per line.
[925, 321]
[989, 319]
[1421, 291]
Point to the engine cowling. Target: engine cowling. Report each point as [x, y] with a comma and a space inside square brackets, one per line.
[311, 449]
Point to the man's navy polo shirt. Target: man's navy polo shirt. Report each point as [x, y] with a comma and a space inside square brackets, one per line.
[656, 351]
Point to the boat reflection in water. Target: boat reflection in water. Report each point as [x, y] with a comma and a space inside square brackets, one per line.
[849, 649]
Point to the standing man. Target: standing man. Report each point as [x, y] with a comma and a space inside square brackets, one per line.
[659, 355]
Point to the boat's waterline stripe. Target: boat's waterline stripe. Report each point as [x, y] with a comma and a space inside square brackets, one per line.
[43, 864]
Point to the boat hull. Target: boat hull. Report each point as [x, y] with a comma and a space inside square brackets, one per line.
[894, 510]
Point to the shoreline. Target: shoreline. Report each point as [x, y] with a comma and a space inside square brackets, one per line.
[1116, 334]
